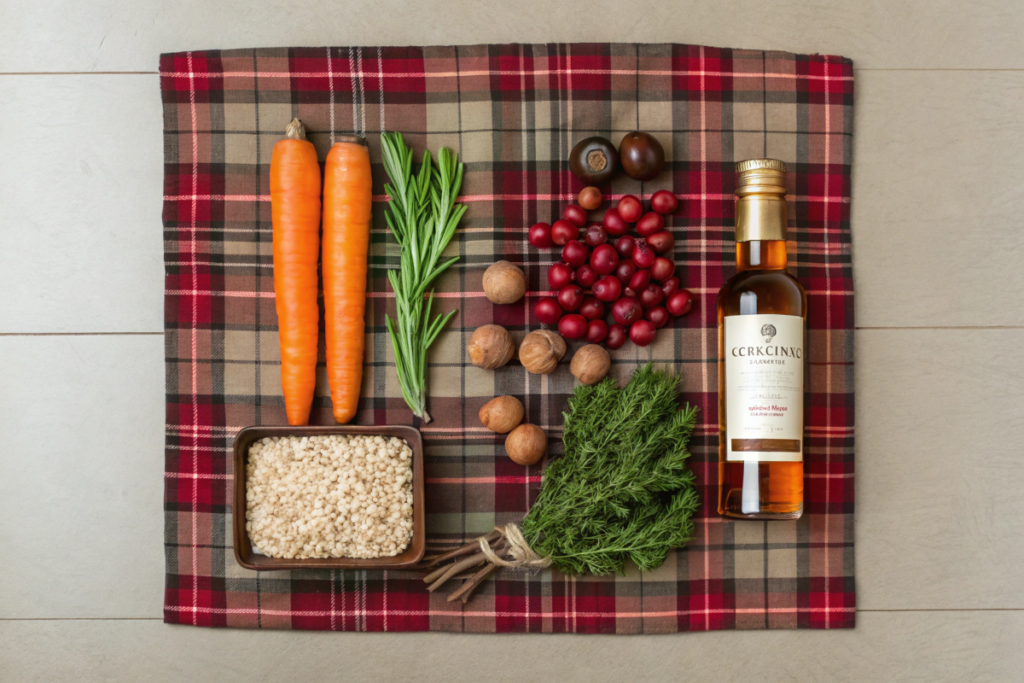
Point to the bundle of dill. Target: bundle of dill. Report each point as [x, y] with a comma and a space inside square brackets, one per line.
[622, 490]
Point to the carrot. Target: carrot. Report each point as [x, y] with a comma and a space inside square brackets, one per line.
[346, 241]
[295, 213]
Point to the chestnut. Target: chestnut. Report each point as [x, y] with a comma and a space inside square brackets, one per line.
[594, 160]
[642, 156]
[590, 198]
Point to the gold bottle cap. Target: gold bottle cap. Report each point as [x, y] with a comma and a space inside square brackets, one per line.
[761, 203]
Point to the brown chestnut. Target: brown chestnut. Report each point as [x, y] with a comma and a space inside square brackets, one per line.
[641, 155]
[594, 160]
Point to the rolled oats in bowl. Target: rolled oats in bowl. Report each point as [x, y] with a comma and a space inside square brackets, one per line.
[329, 496]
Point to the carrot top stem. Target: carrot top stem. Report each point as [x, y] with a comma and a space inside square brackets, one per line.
[295, 130]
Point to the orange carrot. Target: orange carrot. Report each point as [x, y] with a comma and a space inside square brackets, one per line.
[347, 197]
[295, 212]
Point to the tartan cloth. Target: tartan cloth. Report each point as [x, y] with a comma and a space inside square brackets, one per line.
[512, 112]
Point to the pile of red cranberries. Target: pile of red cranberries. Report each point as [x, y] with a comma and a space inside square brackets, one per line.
[606, 269]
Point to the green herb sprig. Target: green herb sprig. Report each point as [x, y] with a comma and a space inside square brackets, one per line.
[423, 216]
[622, 490]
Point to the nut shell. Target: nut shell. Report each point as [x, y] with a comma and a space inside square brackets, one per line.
[541, 350]
[502, 414]
[504, 283]
[490, 347]
[527, 444]
[590, 364]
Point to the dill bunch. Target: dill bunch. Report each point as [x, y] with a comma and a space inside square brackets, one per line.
[622, 490]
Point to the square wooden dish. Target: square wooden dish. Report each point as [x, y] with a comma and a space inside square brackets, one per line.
[243, 548]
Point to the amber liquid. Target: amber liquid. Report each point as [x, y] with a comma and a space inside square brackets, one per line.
[761, 286]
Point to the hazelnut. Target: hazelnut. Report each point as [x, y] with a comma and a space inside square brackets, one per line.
[502, 414]
[541, 350]
[504, 283]
[590, 364]
[527, 444]
[490, 347]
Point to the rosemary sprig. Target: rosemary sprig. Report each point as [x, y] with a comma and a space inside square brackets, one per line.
[422, 215]
[622, 490]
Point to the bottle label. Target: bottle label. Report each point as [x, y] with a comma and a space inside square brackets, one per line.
[764, 387]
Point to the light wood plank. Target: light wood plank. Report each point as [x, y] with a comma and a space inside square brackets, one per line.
[939, 469]
[116, 35]
[81, 189]
[81, 476]
[932, 646]
[938, 198]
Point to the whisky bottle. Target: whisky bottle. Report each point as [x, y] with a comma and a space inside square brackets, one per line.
[762, 315]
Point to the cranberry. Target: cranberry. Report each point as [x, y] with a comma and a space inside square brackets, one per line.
[664, 202]
[595, 235]
[670, 286]
[650, 224]
[597, 330]
[590, 198]
[613, 223]
[559, 275]
[586, 276]
[570, 297]
[627, 311]
[547, 310]
[630, 208]
[591, 308]
[625, 245]
[607, 288]
[575, 214]
[640, 279]
[572, 326]
[641, 332]
[657, 315]
[624, 271]
[679, 303]
[540, 235]
[662, 242]
[651, 296]
[575, 253]
[563, 231]
[616, 337]
[662, 268]
[630, 292]
[643, 256]
[604, 259]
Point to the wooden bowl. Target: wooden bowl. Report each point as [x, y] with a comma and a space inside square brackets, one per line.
[243, 548]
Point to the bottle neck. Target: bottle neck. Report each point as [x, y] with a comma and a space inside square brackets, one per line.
[761, 255]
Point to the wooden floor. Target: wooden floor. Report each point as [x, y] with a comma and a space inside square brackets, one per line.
[938, 223]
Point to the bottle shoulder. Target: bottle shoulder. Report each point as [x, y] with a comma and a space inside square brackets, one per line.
[762, 291]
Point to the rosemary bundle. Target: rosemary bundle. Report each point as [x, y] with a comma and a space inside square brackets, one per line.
[422, 215]
[622, 490]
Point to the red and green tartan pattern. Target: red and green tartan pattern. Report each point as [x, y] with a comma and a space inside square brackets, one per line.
[512, 112]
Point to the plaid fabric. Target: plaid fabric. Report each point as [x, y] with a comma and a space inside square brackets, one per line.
[512, 112]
